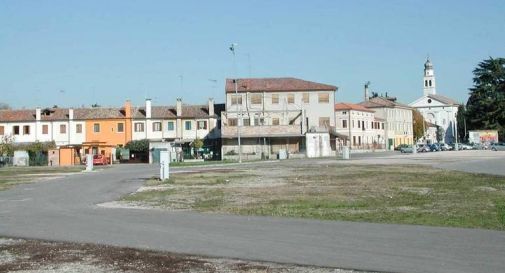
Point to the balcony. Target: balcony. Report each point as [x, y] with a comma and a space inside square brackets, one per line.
[261, 124]
[262, 131]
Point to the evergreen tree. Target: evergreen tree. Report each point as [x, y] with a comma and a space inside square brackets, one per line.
[486, 105]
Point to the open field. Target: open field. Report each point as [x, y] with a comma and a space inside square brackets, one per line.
[30, 256]
[405, 194]
[10, 176]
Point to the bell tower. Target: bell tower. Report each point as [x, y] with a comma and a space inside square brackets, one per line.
[429, 79]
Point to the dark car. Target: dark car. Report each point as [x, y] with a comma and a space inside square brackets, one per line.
[435, 147]
[401, 146]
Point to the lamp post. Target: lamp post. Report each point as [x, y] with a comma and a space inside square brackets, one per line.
[235, 81]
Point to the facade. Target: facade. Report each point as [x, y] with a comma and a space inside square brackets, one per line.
[436, 109]
[365, 130]
[274, 114]
[397, 117]
[100, 130]
[43, 125]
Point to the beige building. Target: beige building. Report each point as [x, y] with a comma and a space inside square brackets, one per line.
[397, 118]
[273, 114]
[365, 130]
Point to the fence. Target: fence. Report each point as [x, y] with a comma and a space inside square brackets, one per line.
[6, 161]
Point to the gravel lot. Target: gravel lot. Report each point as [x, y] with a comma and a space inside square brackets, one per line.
[33, 256]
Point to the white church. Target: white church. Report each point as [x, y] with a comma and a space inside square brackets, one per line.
[438, 110]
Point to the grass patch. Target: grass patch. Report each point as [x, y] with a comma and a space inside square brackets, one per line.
[11, 176]
[382, 194]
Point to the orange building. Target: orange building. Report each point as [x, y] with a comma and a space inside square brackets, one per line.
[106, 128]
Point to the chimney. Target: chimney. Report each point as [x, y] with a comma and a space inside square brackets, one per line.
[148, 108]
[366, 92]
[128, 109]
[211, 106]
[179, 107]
[70, 114]
[38, 113]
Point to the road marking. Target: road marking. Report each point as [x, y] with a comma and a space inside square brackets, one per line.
[16, 200]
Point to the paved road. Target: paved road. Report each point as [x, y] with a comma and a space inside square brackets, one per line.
[64, 209]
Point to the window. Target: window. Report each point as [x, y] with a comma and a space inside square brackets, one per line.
[426, 83]
[344, 113]
[202, 125]
[156, 126]
[187, 124]
[2, 131]
[63, 129]
[305, 98]
[232, 122]
[246, 122]
[324, 122]
[120, 127]
[291, 98]
[45, 129]
[236, 99]
[275, 98]
[354, 140]
[430, 83]
[344, 123]
[96, 127]
[359, 124]
[382, 126]
[139, 127]
[170, 126]
[259, 121]
[15, 130]
[26, 130]
[256, 99]
[324, 97]
[275, 121]
[363, 125]
[78, 128]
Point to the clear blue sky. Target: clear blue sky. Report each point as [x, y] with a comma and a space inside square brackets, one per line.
[73, 53]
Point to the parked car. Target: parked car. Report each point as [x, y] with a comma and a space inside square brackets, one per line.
[399, 147]
[100, 160]
[498, 146]
[445, 147]
[435, 147]
[463, 146]
[423, 148]
[407, 149]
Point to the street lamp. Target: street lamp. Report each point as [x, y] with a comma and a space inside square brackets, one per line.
[235, 81]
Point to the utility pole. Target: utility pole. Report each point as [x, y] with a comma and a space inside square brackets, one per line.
[239, 120]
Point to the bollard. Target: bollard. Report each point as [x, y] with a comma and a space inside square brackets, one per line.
[345, 152]
[89, 163]
[164, 165]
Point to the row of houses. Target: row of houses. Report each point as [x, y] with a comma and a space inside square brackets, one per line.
[268, 115]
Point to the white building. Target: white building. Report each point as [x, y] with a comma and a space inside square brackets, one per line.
[397, 119]
[366, 131]
[274, 114]
[436, 109]
[181, 123]
[43, 125]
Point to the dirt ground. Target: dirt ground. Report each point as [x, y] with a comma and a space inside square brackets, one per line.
[31, 256]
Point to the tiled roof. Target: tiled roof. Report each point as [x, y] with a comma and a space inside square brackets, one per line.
[378, 102]
[276, 85]
[98, 113]
[169, 112]
[352, 106]
[47, 114]
[443, 99]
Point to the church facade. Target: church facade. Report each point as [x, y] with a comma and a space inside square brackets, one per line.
[436, 109]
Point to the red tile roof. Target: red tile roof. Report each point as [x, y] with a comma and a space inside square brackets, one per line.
[352, 106]
[275, 85]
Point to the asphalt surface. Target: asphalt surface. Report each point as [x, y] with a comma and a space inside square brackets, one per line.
[64, 209]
